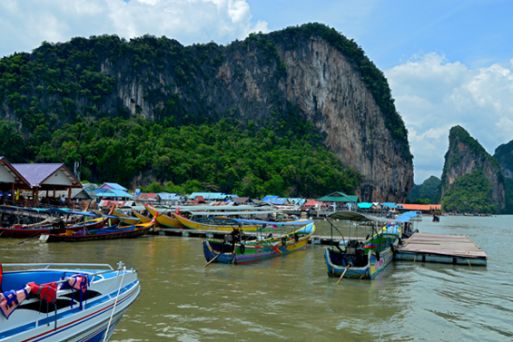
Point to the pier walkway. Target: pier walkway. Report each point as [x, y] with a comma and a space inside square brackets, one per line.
[447, 249]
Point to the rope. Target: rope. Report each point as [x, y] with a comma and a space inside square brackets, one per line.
[114, 307]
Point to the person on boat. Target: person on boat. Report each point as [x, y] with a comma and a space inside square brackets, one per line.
[236, 235]
[436, 218]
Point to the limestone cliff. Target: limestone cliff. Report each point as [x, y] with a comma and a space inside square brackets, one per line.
[504, 156]
[309, 73]
[471, 173]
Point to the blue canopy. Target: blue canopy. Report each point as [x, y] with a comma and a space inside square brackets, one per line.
[406, 217]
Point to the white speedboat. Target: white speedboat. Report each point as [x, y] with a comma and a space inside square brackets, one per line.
[64, 302]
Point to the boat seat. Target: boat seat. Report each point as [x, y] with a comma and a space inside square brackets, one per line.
[18, 279]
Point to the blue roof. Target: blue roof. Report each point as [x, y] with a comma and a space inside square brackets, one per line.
[272, 199]
[407, 216]
[390, 205]
[167, 196]
[267, 198]
[364, 205]
[209, 195]
[112, 186]
[112, 193]
[297, 200]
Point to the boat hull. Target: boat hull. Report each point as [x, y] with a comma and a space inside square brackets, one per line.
[203, 226]
[254, 250]
[164, 220]
[369, 271]
[89, 323]
[100, 236]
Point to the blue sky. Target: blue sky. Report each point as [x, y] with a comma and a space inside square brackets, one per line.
[448, 62]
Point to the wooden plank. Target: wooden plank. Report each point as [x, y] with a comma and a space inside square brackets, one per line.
[449, 245]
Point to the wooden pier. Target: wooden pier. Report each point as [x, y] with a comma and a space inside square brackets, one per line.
[446, 249]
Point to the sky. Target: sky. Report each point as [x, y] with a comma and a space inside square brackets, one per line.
[448, 62]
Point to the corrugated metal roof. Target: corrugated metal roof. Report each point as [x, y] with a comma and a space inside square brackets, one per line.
[296, 200]
[11, 170]
[110, 193]
[113, 186]
[209, 195]
[420, 207]
[35, 174]
[147, 196]
[272, 199]
[167, 196]
[406, 216]
[311, 203]
[338, 198]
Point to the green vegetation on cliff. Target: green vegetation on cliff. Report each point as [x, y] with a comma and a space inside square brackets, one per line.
[426, 193]
[470, 193]
[217, 157]
[476, 181]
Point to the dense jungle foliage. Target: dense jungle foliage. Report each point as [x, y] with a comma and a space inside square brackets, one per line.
[471, 193]
[426, 193]
[215, 157]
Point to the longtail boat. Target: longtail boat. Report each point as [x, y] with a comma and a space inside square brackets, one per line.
[126, 219]
[18, 231]
[64, 302]
[363, 259]
[112, 232]
[163, 219]
[217, 224]
[233, 250]
[142, 218]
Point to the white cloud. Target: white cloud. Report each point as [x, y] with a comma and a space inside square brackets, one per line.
[25, 24]
[433, 94]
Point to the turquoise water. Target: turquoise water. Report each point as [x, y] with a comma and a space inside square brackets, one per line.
[293, 298]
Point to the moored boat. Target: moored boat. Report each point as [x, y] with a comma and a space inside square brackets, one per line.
[235, 250]
[163, 219]
[363, 259]
[142, 218]
[109, 233]
[18, 231]
[64, 302]
[126, 219]
[226, 225]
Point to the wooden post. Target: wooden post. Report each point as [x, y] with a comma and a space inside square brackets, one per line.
[35, 196]
[69, 197]
[13, 193]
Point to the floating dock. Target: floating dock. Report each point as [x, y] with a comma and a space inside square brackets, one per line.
[446, 249]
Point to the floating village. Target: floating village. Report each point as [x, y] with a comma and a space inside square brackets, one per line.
[46, 202]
